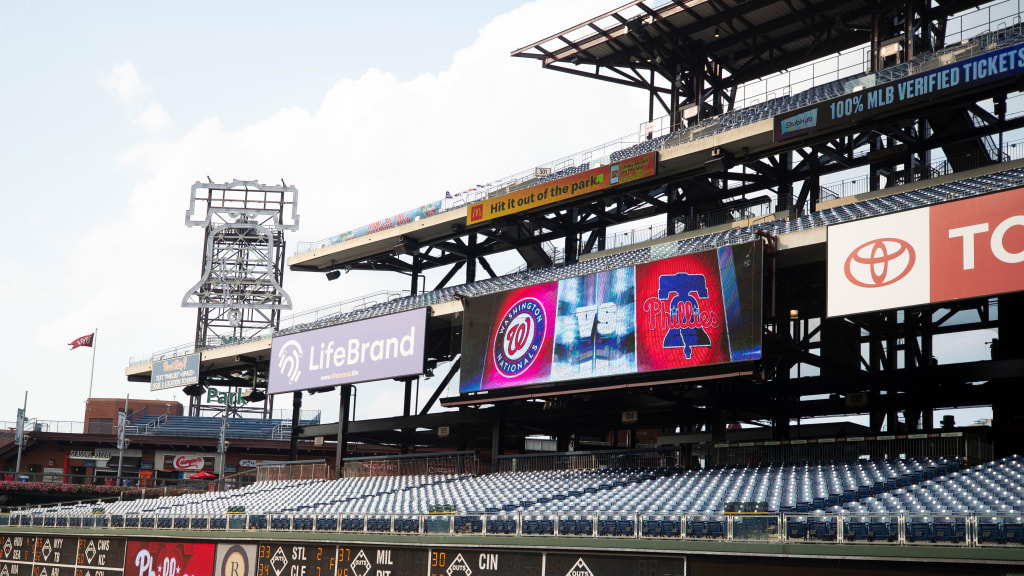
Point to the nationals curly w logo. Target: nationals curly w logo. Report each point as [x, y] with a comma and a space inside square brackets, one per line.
[520, 337]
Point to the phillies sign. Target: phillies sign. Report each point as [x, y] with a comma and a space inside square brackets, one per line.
[964, 249]
[165, 558]
[378, 348]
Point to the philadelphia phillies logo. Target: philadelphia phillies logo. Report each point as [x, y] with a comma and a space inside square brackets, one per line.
[677, 312]
[520, 337]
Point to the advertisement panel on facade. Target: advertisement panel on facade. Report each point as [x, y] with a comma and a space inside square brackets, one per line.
[149, 558]
[373, 349]
[185, 461]
[963, 249]
[888, 98]
[235, 560]
[174, 372]
[566, 188]
[693, 310]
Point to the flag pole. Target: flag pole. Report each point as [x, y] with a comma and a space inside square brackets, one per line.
[21, 432]
[92, 371]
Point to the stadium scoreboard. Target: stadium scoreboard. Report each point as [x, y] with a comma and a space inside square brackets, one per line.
[692, 310]
[613, 565]
[296, 560]
[22, 555]
[379, 561]
[484, 562]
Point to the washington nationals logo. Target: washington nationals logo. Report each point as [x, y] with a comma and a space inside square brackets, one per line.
[520, 337]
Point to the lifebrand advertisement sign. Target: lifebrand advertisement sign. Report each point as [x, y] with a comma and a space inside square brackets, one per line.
[373, 349]
[562, 189]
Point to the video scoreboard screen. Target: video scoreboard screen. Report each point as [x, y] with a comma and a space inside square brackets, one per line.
[692, 310]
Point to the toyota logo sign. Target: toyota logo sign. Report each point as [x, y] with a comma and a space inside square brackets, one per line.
[879, 262]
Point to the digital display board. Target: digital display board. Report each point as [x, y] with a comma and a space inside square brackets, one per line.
[17, 548]
[97, 556]
[888, 98]
[54, 556]
[296, 560]
[484, 562]
[692, 310]
[614, 565]
[358, 560]
[22, 555]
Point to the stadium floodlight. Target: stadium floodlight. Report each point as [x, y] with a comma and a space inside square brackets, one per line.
[254, 395]
[193, 390]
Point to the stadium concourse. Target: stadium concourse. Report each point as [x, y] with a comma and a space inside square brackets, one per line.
[712, 360]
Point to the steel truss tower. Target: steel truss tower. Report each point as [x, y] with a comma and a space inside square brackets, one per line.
[240, 293]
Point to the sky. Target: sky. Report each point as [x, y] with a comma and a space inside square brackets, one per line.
[111, 112]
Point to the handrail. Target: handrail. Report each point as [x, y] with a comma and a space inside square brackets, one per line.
[974, 530]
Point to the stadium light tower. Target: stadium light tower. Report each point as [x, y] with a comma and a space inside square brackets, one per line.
[240, 293]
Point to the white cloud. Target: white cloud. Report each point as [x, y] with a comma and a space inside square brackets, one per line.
[153, 118]
[374, 146]
[124, 83]
[136, 96]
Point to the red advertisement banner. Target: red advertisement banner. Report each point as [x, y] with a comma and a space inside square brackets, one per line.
[146, 558]
[977, 246]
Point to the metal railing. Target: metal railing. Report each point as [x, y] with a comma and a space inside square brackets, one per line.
[57, 426]
[147, 428]
[971, 446]
[590, 460]
[290, 321]
[465, 462]
[310, 470]
[101, 485]
[854, 529]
